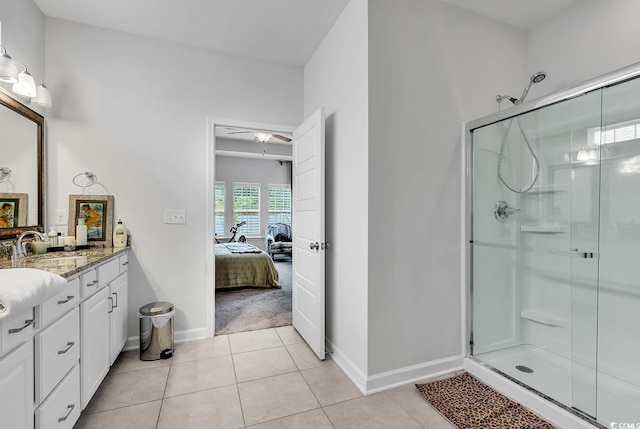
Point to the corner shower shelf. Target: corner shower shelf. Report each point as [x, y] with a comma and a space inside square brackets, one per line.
[548, 189]
[544, 318]
[544, 228]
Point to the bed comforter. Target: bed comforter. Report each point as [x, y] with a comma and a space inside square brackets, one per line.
[241, 264]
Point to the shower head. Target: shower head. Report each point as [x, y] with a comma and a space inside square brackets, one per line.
[538, 77]
[535, 78]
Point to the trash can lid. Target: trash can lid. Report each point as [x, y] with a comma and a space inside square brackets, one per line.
[156, 308]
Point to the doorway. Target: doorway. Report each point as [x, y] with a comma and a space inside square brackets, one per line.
[253, 160]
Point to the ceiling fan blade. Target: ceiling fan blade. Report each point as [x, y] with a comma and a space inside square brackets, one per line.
[240, 132]
[283, 138]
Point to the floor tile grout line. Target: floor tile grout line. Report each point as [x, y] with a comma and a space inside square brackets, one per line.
[164, 391]
[235, 376]
[405, 410]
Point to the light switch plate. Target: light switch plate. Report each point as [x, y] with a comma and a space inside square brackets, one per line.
[61, 217]
[175, 216]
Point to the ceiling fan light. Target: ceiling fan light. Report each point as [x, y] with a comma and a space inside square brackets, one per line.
[25, 86]
[263, 137]
[8, 69]
[43, 97]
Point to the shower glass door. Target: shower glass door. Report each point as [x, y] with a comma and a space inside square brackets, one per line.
[535, 201]
[619, 297]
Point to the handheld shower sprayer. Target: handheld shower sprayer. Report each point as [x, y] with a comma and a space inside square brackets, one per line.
[535, 78]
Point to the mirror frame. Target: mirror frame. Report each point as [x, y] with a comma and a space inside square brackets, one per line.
[13, 104]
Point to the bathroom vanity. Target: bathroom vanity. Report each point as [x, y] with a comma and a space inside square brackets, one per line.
[54, 356]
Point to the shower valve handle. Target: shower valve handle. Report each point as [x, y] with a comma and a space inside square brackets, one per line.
[502, 211]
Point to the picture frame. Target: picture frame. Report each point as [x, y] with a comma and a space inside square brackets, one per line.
[97, 211]
[13, 209]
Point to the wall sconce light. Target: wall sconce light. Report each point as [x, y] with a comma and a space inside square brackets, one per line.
[8, 69]
[25, 85]
[43, 96]
[5, 173]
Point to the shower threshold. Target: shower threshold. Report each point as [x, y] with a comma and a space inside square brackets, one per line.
[568, 383]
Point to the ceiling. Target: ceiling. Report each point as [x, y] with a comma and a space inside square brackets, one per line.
[518, 13]
[281, 31]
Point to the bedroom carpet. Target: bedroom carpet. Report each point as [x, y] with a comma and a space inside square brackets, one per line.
[470, 404]
[250, 309]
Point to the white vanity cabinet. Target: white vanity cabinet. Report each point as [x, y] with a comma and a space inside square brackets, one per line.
[118, 317]
[16, 388]
[104, 325]
[54, 356]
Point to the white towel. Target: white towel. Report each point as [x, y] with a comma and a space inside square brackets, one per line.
[24, 288]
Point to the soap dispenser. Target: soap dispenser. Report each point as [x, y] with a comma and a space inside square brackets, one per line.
[81, 232]
[53, 237]
[119, 235]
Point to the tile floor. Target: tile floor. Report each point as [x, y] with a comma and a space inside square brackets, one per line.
[264, 379]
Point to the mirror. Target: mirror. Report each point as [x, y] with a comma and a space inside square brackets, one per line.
[21, 168]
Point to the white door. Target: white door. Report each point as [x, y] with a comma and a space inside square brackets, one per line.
[308, 231]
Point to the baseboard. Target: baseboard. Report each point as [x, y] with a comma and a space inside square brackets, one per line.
[133, 343]
[548, 410]
[412, 374]
[347, 366]
[369, 385]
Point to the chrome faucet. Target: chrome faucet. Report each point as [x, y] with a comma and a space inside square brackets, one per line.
[19, 247]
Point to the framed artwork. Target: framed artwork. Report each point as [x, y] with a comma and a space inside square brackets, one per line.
[97, 211]
[13, 210]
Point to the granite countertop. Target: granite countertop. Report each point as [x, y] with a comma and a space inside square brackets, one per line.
[64, 264]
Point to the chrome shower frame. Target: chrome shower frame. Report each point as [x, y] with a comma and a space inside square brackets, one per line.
[615, 77]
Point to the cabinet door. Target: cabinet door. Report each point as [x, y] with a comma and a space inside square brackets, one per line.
[120, 296]
[95, 353]
[16, 388]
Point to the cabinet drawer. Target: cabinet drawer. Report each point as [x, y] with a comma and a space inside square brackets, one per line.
[108, 272]
[57, 305]
[16, 329]
[57, 351]
[62, 409]
[124, 263]
[88, 283]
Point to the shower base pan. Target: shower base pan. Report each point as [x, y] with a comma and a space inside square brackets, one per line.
[567, 383]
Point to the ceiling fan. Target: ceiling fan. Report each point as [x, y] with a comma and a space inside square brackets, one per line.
[259, 136]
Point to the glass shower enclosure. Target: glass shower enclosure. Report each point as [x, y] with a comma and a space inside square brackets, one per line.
[554, 232]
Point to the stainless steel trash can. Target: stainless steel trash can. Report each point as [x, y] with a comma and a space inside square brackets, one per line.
[156, 330]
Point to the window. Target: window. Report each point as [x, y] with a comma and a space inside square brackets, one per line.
[279, 204]
[614, 133]
[219, 208]
[246, 207]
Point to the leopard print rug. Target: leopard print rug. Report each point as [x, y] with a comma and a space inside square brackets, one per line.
[469, 404]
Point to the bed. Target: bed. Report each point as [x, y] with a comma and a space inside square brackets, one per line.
[241, 264]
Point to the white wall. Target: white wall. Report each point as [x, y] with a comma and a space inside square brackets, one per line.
[246, 170]
[134, 111]
[589, 39]
[431, 67]
[336, 78]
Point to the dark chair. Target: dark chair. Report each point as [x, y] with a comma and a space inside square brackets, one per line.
[278, 239]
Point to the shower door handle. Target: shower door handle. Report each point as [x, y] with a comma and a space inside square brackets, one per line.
[586, 255]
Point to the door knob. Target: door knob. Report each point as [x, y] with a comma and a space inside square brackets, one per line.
[315, 246]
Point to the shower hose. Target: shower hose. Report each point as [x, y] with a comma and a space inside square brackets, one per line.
[533, 154]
